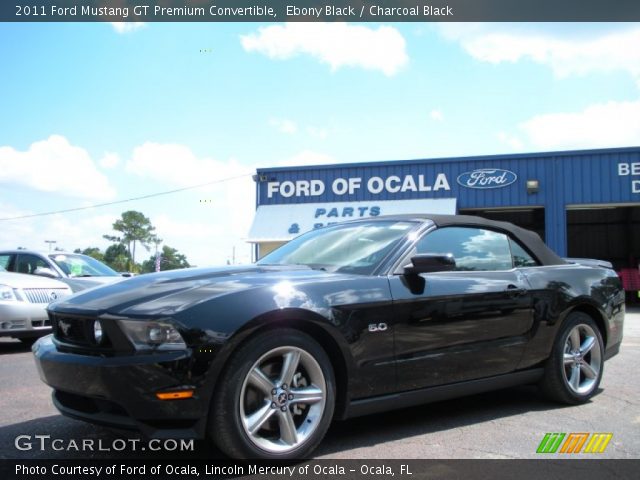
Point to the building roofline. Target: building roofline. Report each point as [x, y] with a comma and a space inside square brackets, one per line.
[502, 156]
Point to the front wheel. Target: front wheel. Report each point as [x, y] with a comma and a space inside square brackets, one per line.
[574, 370]
[275, 399]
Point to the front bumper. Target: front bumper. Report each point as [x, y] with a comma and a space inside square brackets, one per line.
[120, 391]
[23, 320]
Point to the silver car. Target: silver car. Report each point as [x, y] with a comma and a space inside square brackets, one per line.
[23, 303]
[76, 270]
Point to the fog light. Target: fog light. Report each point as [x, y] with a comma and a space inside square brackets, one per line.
[97, 331]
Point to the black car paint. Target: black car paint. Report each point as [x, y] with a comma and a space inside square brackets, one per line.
[443, 329]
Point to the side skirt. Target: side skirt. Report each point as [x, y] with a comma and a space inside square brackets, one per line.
[412, 398]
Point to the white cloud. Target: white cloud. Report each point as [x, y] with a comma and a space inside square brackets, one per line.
[283, 125]
[177, 165]
[307, 157]
[126, 27]
[208, 233]
[169, 228]
[110, 160]
[54, 165]
[612, 124]
[336, 44]
[436, 115]
[70, 231]
[577, 54]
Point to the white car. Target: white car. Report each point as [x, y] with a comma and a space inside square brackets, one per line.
[76, 270]
[23, 303]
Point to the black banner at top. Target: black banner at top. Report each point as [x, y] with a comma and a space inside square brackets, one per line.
[319, 10]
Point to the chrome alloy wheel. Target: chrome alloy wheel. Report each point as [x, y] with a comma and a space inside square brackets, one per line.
[582, 359]
[282, 399]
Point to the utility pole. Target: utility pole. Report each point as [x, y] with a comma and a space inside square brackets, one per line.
[50, 242]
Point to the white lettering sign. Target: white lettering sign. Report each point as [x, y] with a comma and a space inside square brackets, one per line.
[351, 185]
[633, 169]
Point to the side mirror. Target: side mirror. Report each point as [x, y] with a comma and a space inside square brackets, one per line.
[45, 272]
[430, 262]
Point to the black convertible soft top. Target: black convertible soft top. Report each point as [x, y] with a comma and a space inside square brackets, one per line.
[527, 238]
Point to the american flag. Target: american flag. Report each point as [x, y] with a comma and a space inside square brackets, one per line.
[158, 257]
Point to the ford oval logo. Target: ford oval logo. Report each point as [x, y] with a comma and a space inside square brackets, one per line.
[487, 178]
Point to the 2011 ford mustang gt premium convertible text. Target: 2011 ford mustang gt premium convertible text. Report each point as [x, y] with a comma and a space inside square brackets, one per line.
[346, 320]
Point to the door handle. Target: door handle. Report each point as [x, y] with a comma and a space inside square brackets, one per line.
[515, 291]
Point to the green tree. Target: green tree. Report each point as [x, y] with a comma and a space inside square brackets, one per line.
[117, 257]
[170, 260]
[134, 228]
[94, 252]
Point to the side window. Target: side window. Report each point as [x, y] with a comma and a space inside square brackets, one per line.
[474, 249]
[5, 260]
[521, 257]
[29, 263]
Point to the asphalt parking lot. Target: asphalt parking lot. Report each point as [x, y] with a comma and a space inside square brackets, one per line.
[504, 424]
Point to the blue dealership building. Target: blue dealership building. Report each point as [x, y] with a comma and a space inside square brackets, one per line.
[584, 203]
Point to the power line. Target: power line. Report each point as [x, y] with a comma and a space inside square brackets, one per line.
[143, 197]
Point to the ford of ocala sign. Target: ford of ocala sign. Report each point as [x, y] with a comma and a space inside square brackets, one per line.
[487, 178]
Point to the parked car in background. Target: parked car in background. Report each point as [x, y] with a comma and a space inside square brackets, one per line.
[346, 320]
[23, 302]
[76, 270]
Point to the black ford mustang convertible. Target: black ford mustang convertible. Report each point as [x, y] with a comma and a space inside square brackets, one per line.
[346, 320]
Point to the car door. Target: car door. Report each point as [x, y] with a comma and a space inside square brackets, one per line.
[463, 324]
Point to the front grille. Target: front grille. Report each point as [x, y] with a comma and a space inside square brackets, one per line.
[75, 333]
[43, 295]
[77, 330]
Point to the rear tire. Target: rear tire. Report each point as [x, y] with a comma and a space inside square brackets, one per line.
[275, 399]
[574, 370]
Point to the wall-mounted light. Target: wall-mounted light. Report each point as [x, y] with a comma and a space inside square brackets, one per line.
[259, 178]
[533, 186]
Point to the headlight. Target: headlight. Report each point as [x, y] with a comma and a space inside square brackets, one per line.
[6, 294]
[151, 335]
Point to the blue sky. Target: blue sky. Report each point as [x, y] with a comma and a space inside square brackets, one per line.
[92, 113]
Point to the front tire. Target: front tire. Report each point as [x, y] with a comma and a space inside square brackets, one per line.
[275, 399]
[574, 370]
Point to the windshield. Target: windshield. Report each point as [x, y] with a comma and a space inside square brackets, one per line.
[76, 265]
[349, 248]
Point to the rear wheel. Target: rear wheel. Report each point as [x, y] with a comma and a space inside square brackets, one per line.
[276, 398]
[574, 370]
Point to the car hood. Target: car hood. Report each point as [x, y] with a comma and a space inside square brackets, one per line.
[22, 280]
[168, 293]
[78, 284]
